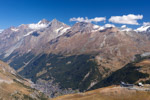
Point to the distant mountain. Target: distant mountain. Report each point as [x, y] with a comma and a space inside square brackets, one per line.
[145, 28]
[13, 87]
[61, 59]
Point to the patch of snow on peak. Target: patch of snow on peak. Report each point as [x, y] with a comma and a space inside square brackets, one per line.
[144, 28]
[57, 30]
[65, 29]
[29, 33]
[62, 30]
[14, 29]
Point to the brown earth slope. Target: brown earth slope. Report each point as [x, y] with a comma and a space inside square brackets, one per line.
[14, 87]
[108, 93]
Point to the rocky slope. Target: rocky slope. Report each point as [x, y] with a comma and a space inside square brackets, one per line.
[14, 87]
[61, 59]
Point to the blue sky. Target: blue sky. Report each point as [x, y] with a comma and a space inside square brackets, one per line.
[16, 12]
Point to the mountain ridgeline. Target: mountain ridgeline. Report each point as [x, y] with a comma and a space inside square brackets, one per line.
[61, 59]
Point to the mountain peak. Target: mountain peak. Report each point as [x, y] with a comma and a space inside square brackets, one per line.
[44, 21]
[57, 24]
[83, 26]
[145, 28]
[54, 21]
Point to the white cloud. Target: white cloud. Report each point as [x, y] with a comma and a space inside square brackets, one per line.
[146, 23]
[126, 19]
[81, 19]
[109, 25]
[37, 26]
[1, 30]
[123, 26]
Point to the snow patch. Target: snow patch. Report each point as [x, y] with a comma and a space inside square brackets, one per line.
[29, 33]
[62, 30]
[57, 30]
[14, 29]
[142, 28]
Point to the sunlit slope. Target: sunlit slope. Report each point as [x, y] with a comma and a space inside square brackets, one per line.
[14, 87]
[108, 93]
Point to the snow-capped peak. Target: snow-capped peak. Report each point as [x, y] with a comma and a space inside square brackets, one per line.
[14, 29]
[41, 24]
[62, 30]
[144, 28]
[43, 21]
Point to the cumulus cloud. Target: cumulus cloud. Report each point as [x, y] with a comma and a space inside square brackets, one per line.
[37, 26]
[81, 19]
[123, 26]
[146, 23]
[126, 19]
[1, 30]
[109, 25]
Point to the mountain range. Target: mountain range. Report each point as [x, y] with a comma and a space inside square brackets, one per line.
[62, 59]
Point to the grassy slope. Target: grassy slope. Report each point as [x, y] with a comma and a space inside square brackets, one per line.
[132, 73]
[108, 93]
[14, 87]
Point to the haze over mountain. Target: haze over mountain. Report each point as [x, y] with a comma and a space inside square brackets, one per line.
[62, 59]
